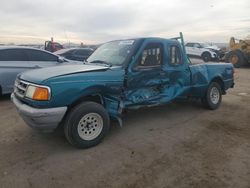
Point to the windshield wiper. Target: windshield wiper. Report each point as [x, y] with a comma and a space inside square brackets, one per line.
[100, 62]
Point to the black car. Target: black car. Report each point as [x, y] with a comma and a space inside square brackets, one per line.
[78, 54]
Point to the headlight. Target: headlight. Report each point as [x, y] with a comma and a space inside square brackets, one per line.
[39, 93]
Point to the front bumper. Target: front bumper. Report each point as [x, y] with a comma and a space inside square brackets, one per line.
[214, 56]
[42, 119]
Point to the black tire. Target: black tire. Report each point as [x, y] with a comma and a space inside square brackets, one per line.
[208, 100]
[236, 58]
[206, 57]
[75, 117]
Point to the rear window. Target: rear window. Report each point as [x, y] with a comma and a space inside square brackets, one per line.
[13, 55]
[83, 52]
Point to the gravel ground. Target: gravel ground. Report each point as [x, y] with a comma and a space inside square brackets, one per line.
[176, 145]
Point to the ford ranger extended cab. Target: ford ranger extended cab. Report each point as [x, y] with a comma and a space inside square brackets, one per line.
[119, 75]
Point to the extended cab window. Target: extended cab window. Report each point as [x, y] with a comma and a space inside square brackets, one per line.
[151, 56]
[175, 55]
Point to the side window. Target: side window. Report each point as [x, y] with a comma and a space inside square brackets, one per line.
[175, 55]
[36, 55]
[189, 44]
[196, 45]
[151, 55]
[13, 55]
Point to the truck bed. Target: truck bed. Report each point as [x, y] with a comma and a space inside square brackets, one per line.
[203, 74]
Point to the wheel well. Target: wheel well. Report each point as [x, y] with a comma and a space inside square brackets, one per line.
[94, 98]
[220, 82]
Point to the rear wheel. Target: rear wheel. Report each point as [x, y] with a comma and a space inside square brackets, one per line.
[236, 58]
[86, 124]
[213, 97]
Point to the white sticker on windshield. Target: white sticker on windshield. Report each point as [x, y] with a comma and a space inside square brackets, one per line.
[126, 42]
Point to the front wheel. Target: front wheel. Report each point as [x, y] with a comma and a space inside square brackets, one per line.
[86, 124]
[206, 57]
[213, 96]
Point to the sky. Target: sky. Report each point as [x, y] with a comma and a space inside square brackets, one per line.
[98, 21]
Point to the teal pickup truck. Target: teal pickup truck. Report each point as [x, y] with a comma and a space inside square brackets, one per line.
[119, 75]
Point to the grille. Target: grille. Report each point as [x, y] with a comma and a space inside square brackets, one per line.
[20, 88]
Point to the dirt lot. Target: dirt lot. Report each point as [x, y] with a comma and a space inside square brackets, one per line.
[177, 145]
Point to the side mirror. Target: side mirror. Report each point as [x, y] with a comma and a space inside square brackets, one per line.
[61, 60]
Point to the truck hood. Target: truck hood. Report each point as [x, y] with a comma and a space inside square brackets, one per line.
[39, 75]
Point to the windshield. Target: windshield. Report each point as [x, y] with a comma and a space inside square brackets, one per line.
[112, 53]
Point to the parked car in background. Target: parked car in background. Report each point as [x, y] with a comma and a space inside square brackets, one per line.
[15, 59]
[204, 51]
[219, 51]
[78, 54]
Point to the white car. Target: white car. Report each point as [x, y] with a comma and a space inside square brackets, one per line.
[204, 51]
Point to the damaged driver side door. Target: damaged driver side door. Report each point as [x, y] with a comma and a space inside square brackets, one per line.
[143, 85]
